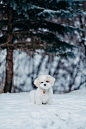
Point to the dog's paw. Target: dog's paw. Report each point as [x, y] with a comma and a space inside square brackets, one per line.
[48, 103]
[38, 103]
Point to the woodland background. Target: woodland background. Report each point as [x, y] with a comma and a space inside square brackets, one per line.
[70, 73]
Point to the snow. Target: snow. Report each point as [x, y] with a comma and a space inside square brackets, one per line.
[67, 111]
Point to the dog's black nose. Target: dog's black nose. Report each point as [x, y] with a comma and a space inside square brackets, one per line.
[44, 84]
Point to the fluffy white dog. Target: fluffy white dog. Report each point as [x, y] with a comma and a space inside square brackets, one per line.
[43, 94]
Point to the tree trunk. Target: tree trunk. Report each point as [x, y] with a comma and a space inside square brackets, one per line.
[9, 57]
[9, 71]
[83, 33]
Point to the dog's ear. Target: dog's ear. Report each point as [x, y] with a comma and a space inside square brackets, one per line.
[51, 79]
[36, 82]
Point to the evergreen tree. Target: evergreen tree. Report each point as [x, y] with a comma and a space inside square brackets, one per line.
[36, 20]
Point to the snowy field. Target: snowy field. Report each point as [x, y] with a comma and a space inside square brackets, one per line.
[67, 111]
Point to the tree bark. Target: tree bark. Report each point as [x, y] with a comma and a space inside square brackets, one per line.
[83, 33]
[9, 57]
[9, 71]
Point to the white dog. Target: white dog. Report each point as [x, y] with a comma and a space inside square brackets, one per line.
[43, 94]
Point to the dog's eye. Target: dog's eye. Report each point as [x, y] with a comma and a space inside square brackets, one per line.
[41, 82]
[47, 81]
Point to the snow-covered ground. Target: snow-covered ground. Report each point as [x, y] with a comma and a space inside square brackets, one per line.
[67, 111]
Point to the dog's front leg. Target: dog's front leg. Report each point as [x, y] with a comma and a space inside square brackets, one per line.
[38, 102]
[49, 101]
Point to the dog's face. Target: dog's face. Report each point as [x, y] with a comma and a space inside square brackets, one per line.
[44, 81]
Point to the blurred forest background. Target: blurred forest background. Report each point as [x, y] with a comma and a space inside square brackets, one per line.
[28, 64]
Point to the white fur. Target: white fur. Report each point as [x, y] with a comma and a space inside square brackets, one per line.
[37, 95]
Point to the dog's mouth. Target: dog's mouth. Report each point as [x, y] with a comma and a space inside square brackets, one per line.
[45, 88]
